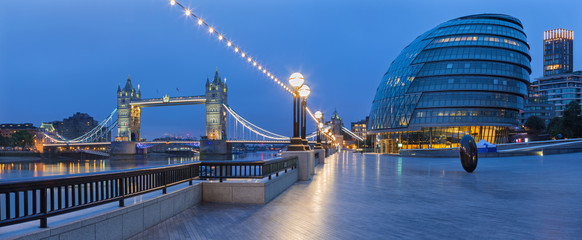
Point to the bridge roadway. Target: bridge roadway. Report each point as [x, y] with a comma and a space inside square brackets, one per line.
[369, 196]
[169, 142]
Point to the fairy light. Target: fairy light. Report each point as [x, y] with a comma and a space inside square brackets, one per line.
[311, 114]
[237, 49]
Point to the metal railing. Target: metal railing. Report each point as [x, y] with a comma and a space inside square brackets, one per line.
[246, 169]
[38, 198]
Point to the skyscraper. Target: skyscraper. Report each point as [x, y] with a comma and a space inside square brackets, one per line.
[558, 48]
[560, 83]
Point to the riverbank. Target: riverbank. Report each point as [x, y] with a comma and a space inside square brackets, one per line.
[19, 157]
[19, 154]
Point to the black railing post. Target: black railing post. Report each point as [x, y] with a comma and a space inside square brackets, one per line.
[43, 206]
[121, 183]
[165, 177]
[220, 173]
[191, 175]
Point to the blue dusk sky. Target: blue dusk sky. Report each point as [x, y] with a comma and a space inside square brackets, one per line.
[61, 57]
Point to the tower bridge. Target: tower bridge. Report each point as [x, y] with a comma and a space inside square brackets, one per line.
[218, 116]
[130, 104]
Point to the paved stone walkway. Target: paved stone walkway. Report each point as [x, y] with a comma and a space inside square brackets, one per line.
[369, 196]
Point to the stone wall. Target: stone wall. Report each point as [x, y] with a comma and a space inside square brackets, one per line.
[127, 221]
[259, 192]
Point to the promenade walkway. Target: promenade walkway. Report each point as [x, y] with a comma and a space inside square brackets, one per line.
[369, 196]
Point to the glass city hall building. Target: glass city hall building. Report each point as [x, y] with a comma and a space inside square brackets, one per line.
[466, 76]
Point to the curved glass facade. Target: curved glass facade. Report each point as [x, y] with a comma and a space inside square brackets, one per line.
[466, 76]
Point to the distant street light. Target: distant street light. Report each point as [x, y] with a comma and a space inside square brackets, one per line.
[319, 117]
[296, 81]
[304, 92]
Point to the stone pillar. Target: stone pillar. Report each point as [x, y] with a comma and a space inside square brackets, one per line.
[321, 154]
[304, 163]
[50, 152]
[215, 149]
[123, 148]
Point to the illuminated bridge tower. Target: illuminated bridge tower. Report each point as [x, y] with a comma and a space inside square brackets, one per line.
[213, 146]
[128, 117]
[216, 96]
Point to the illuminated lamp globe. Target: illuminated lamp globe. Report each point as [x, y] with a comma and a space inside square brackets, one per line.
[304, 91]
[320, 125]
[318, 114]
[296, 80]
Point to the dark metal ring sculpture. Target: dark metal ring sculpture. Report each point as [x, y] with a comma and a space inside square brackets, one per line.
[468, 153]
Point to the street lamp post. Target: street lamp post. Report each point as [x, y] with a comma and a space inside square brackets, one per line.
[319, 117]
[296, 80]
[304, 92]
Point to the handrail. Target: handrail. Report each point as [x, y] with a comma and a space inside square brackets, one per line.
[32, 199]
[246, 169]
[27, 199]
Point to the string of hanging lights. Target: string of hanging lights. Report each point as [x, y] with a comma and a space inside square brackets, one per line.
[237, 50]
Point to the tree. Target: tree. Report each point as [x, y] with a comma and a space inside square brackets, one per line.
[572, 122]
[535, 123]
[572, 110]
[556, 126]
[4, 141]
[23, 138]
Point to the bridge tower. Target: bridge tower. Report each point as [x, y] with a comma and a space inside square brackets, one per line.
[216, 95]
[128, 117]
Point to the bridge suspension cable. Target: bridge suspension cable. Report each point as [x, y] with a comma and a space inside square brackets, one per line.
[352, 134]
[314, 134]
[92, 135]
[254, 128]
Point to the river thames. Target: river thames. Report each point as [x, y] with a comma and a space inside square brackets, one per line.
[21, 167]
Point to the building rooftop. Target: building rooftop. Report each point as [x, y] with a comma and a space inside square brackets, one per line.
[561, 75]
[16, 126]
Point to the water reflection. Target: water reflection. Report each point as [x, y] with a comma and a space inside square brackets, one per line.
[26, 167]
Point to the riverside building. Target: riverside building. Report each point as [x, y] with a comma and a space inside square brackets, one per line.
[559, 83]
[560, 89]
[466, 76]
[558, 51]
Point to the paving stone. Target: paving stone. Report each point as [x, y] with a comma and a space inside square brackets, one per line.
[369, 196]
